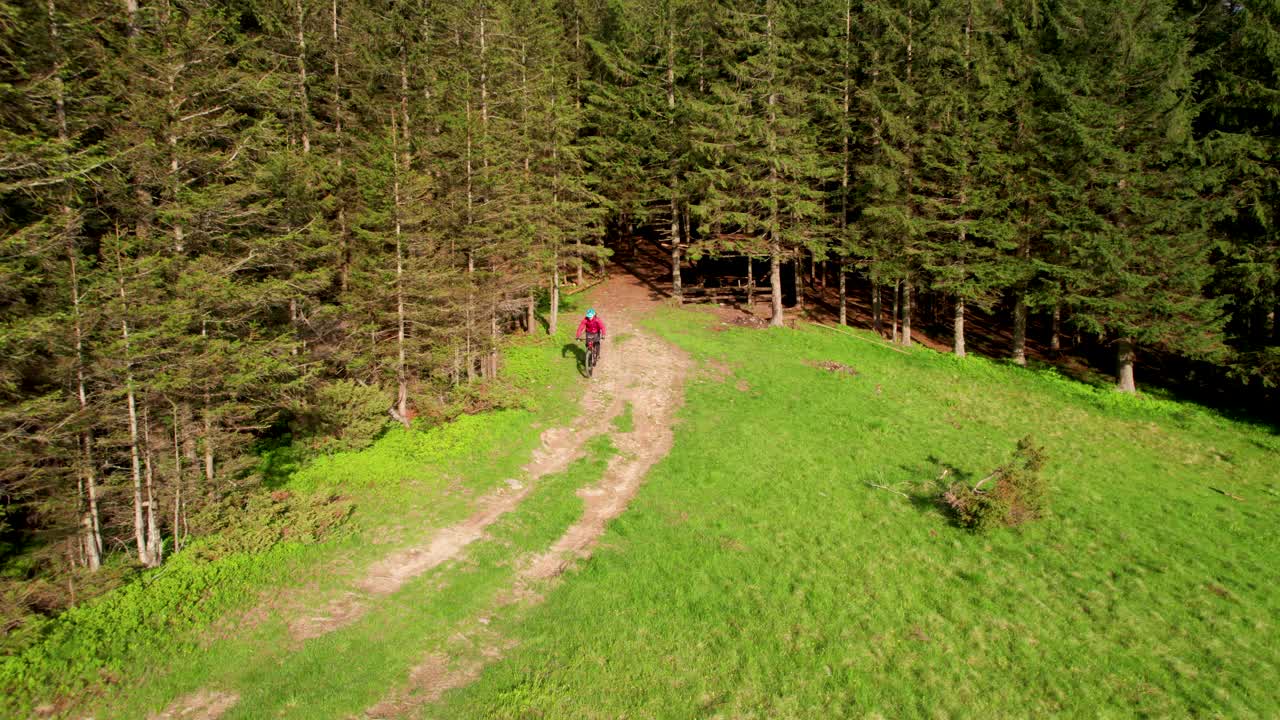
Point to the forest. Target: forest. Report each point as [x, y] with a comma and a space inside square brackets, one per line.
[231, 224]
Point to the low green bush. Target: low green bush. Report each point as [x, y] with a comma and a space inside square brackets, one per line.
[257, 521]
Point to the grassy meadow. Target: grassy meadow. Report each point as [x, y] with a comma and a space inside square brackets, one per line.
[760, 574]
[786, 560]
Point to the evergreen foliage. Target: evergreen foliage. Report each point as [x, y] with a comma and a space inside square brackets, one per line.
[221, 220]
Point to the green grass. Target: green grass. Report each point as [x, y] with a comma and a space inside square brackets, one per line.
[625, 421]
[759, 575]
[187, 613]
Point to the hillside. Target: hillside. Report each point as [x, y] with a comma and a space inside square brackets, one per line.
[785, 558]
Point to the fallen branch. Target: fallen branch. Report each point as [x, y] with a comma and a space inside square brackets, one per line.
[882, 487]
[975, 487]
[851, 334]
[586, 287]
[1224, 492]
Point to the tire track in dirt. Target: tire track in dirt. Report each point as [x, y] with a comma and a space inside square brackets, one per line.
[649, 374]
[559, 448]
[200, 705]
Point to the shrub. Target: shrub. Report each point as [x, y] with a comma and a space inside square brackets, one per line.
[346, 415]
[257, 521]
[1017, 492]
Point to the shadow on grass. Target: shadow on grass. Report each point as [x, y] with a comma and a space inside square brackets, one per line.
[279, 461]
[579, 356]
[926, 496]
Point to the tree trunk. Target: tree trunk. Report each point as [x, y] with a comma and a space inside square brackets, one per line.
[906, 312]
[687, 233]
[406, 129]
[578, 246]
[844, 301]
[155, 552]
[208, 442]
[897, 293]
[87, 492]
[402, 376]
[177, 479]
[1055, 334]
[131, 10]
[344, 247]
[139, 528]
[798, 272]
[775, 283]
[958, 328]
[171, 138]
[208, 421]
[89, 477]
[554, 323]
[677, 290]
[493, 344]
[1020, 328]
[1275, 316]
[304, 101]
[531, 318]
[1124, 365]
[876, 311]
[775, 243]
[751, 285]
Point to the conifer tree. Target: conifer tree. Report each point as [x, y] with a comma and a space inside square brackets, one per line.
[1126, 190]
[762, 169]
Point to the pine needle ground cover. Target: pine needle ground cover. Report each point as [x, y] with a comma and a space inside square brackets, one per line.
[760, 574]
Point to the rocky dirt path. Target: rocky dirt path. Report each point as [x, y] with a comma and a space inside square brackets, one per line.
[636, 368]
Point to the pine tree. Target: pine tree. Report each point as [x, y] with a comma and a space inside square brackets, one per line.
[892, 225]
[1126, 191]
[762, 169]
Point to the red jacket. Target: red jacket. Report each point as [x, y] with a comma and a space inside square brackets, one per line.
[590, 325]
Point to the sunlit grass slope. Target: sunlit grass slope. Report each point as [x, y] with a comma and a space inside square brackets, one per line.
[759, 574]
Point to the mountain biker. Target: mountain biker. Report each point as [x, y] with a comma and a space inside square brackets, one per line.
[593, 328]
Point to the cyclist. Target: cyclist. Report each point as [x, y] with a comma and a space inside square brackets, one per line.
[593, 328]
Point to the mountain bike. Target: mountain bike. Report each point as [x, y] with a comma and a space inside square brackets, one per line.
[593, 352]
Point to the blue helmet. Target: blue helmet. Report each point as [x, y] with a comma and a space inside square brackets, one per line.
[591, 313]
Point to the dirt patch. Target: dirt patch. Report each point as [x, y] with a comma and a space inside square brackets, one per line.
[717, 370]
[436, 674]
[342, 611]
[838, 368]
[427, 682]
[200, 705]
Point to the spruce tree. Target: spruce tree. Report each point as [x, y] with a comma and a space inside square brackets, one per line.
[760, 162]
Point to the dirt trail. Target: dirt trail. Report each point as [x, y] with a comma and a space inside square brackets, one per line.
[640, 370]
[643, 371]
[559, 448]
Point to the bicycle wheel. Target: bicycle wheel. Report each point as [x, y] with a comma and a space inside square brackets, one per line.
[591, 361]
